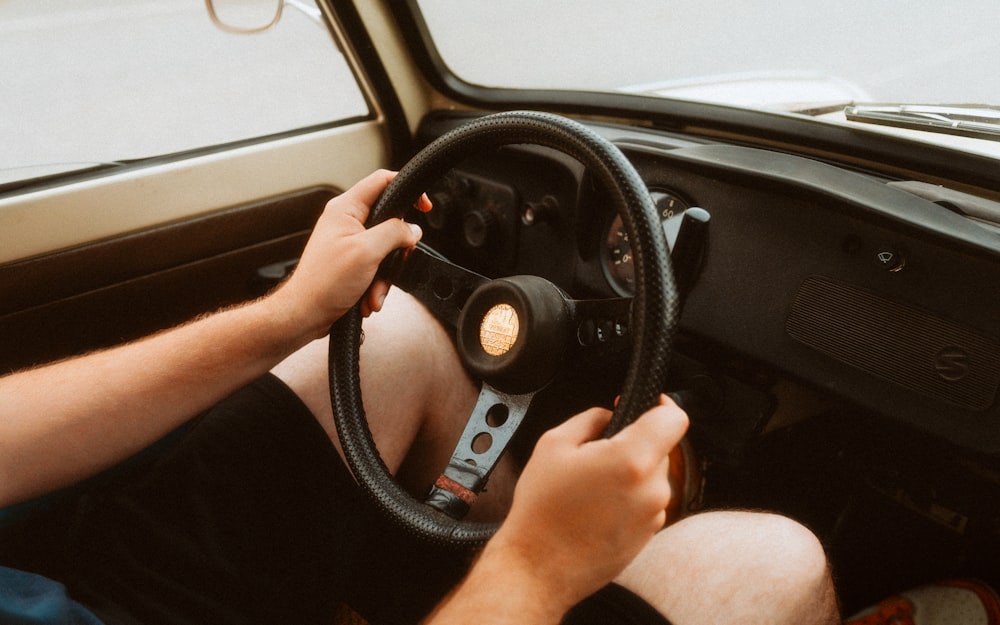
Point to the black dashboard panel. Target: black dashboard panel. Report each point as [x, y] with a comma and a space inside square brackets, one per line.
[782, 224]
[827, 276]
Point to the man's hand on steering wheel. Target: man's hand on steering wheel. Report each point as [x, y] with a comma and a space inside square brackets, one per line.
[586, 505]
[583, 508]
[339, 262]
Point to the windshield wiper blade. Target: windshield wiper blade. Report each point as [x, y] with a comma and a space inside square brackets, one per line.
[979, 121]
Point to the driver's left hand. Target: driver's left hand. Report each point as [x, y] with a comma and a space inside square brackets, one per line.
[341, 257]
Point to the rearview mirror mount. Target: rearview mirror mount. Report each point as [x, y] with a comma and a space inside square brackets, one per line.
[244, 16]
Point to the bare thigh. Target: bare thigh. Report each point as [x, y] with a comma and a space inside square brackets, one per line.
[735, 567]
[417, 397]
[416, 394]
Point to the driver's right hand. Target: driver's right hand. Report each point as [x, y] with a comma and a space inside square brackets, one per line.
[585, 505]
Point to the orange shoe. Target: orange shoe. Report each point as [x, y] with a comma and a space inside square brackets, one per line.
[957, 601]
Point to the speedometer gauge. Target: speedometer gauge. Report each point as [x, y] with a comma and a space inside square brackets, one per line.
[616, 252]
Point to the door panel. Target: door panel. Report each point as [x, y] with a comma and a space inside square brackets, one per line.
[162, 244]
[124, 288]
[145, 196]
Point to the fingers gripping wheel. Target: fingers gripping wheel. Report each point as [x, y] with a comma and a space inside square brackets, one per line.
[654, 308]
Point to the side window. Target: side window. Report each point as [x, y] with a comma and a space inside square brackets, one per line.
[94, 84]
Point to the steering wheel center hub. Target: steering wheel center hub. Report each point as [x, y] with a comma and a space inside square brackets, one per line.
[498, 331]
[512, 332]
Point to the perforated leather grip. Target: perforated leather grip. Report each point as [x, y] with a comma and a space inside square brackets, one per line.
[654, 309]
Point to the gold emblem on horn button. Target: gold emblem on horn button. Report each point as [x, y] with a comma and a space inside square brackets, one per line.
[498, 331]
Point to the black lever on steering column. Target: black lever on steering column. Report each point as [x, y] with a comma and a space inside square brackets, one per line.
[688, 251]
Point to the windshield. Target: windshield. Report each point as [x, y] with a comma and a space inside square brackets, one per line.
[774, 55]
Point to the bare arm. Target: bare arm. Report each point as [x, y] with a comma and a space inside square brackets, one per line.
[69, 420]
[583, 509]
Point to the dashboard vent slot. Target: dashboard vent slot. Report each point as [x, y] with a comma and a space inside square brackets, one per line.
[903, 344]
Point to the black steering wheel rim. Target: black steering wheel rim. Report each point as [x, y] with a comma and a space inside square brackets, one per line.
[654, 310]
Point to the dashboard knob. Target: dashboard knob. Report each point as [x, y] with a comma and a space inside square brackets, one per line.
[889, 259]
[479, 228]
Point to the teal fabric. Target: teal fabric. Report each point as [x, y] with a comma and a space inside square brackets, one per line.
[29, 599]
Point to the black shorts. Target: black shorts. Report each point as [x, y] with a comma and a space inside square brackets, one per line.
[251, 517]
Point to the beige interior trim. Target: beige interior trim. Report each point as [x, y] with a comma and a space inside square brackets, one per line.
[66, 216]
[414, 93]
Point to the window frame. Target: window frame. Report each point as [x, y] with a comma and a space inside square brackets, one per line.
[373, 96]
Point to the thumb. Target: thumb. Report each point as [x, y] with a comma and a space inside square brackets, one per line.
[390, 235]
[584, 427]
[660, 428]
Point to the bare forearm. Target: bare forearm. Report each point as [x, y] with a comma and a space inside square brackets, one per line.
[67, 421]
[499, 590]
[90, 412]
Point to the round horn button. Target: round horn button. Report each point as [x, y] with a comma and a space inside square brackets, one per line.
[498, 330]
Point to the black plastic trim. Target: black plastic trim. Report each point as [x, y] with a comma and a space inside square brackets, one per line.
[759, 167]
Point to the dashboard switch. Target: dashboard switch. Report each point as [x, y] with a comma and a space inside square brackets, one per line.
[479, 228]
[890, 260]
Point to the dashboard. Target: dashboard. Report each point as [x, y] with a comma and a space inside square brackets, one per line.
[848, 282]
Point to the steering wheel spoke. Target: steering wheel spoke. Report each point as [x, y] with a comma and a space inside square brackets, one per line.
[492, 426]
[442, 287]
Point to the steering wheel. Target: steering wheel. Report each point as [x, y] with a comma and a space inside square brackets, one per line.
[513, 333]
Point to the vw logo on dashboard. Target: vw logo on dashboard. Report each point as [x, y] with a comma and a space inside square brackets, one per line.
[498, 331]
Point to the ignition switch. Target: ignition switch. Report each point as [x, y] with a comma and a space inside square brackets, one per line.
[537, 212]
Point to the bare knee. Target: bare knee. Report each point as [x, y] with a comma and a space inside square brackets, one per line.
[737, 567]
[409, 373]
